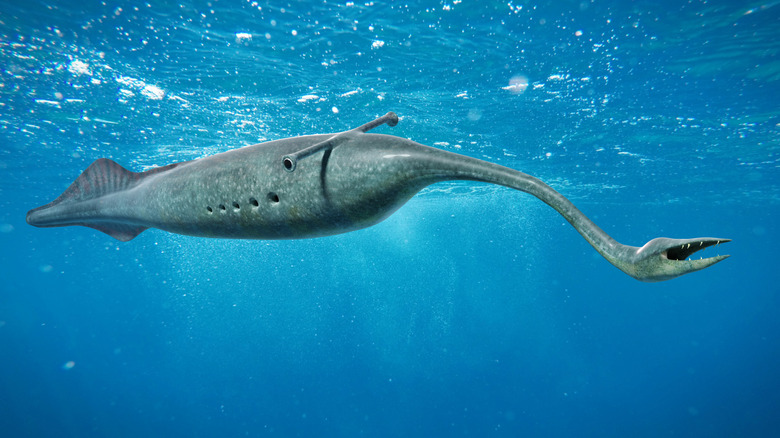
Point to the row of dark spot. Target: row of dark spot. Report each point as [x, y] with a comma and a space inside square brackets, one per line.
[272, 198]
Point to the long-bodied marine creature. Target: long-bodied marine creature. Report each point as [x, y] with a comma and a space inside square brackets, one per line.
[318, 185]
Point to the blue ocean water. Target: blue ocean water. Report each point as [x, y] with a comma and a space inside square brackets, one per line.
[474, 310]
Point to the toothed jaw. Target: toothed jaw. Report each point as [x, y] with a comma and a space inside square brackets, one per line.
[684, 250]
[663, 258]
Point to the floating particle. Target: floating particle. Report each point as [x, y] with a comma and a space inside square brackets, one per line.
[243, 37]
[517, 84]
[308, 97]
[152, 92]
[77, 67]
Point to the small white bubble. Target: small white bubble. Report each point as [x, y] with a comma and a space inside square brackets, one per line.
[152, 92]
[335, 110]
[77, 67]
[308, 97]
[243, 37]
[517, 84]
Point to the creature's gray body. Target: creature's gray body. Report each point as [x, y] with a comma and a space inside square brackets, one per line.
[347, 181]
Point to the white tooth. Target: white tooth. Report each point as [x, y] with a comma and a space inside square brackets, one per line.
[701, 243]
[689, 246]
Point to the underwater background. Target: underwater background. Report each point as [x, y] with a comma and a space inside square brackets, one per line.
[475, 310]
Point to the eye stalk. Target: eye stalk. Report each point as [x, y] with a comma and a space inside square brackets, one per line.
[290, 162]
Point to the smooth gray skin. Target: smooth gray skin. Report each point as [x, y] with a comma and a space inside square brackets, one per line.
[318, 185]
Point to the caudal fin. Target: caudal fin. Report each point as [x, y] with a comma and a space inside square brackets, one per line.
[103, 177]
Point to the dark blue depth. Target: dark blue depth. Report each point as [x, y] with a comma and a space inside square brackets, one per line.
[474, 310]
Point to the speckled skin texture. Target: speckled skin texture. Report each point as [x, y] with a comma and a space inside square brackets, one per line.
[355, 185]
[247, 193]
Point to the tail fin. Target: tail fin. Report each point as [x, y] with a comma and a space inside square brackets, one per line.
[102, 177]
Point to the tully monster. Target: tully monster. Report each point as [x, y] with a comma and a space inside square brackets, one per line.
[318, 185]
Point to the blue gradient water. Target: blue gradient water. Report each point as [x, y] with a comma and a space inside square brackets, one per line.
[473, 311]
